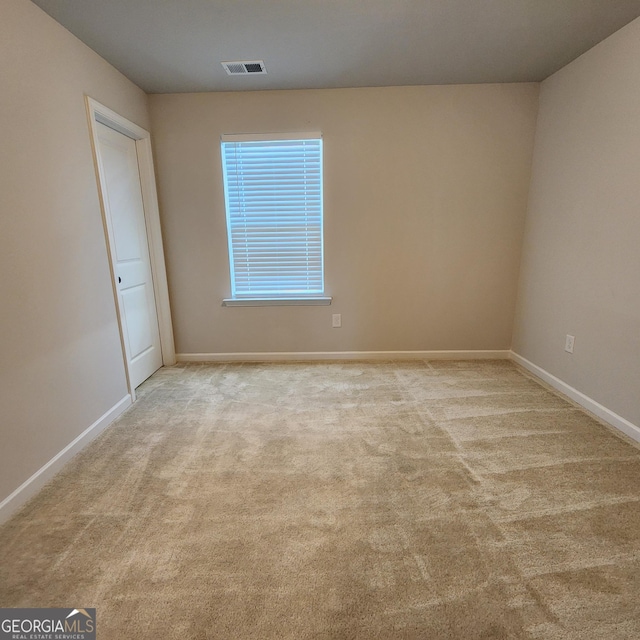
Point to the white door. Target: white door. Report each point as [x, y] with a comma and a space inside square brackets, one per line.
[129, 252]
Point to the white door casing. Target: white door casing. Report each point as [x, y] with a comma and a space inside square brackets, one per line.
[129, 203]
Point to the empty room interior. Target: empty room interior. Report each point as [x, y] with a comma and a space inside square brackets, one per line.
[364, 361]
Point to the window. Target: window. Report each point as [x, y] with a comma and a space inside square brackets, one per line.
[273, 198]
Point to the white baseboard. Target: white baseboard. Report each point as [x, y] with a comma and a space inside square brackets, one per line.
[31, 486]
[610, 417]
[305, 356]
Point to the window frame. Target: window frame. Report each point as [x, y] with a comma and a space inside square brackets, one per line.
[275, 299]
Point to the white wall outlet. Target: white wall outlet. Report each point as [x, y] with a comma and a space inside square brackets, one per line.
[336, 320]
[568, 343]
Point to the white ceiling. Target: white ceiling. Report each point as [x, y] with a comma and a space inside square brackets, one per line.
[168, 46]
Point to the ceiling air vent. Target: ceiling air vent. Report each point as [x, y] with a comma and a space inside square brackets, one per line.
[244, 67]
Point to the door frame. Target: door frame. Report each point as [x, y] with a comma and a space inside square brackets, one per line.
[97, 112]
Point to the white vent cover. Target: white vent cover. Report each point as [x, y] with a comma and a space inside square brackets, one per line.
[244, 67]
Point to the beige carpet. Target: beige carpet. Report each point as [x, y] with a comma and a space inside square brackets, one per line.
[420, 500]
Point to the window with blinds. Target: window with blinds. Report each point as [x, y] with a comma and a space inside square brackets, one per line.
[273, 197]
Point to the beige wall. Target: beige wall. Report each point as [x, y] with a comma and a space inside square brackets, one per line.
[425, 197]
[581, 259]
[61, 360]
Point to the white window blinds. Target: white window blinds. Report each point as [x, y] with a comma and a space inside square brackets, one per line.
[273, 196]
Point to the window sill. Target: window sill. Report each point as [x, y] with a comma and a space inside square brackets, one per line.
[276, 302]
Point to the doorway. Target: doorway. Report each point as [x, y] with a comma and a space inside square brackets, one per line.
[124, 169]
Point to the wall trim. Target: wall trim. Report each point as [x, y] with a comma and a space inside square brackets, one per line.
[305, 356]
[610, 417]
[40, 478]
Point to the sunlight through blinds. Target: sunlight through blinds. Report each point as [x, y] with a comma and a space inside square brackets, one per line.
[273, 196]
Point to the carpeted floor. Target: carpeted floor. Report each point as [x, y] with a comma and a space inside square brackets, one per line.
[424, 500]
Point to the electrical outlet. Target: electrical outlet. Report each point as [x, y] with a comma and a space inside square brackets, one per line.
[568, 343]
[336, 320]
